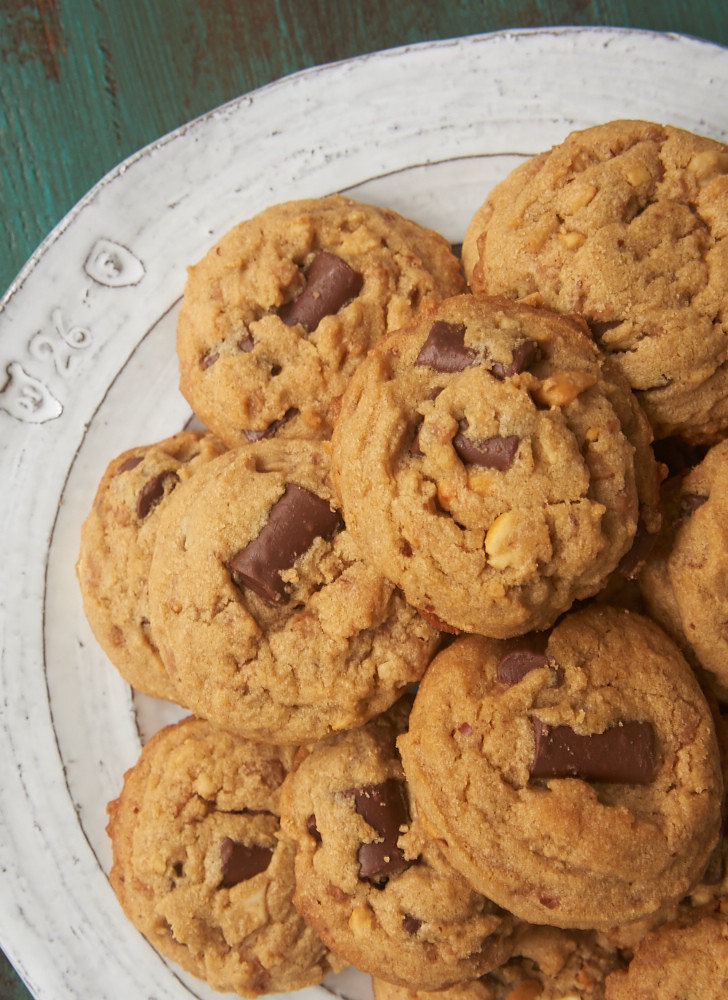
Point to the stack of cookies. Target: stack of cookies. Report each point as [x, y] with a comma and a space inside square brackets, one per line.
[442, 589]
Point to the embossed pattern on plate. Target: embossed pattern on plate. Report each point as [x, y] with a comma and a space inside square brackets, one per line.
[87, 368]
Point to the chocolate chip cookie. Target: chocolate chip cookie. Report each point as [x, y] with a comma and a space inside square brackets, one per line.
[686, 959]
[379, 893]
[268, 619]
[574, 776]
[280, 311]
[625, 222]
[684, 580]
[548, 964]
[198, 866]
[493, 464]
[117, 541]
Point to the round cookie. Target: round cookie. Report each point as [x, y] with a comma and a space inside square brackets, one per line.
[117, 541]
[625, 223]
[198, 866]
[280, 311]
[573, 777]
[379, 893]
[493, 464]
[268, 619]
[549, 964]
[684, 581]
[686, 959]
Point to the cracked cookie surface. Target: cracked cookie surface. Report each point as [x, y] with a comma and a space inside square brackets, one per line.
[282, 309]
[574, 777]
[380, 893]
[493, 464]
[198, 866]
[269, 620]
[626, 223]
[117, 541]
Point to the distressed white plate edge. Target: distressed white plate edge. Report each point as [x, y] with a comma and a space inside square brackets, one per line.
[101, 284]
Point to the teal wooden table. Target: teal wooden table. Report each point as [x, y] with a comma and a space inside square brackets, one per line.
[83, 84]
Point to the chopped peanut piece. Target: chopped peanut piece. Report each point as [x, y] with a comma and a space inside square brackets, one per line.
[499, 540]
[205, 786]
[563, 387]
[529, 989]
[361, 920]
[572, 240]
[638, 174]
[708, 164]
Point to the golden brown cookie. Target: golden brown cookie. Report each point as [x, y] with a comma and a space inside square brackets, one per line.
[268, 618]
[686, 959]
[573, 777]
[278, 313]
[493, 464]
[378, 892]
[685, 580]
[117, 541]
[625, 223]
[548, 964]
[198, 866]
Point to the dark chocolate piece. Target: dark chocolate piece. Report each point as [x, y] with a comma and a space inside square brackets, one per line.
[312, 828]
[525, 653]
[240, 862]
[131, 463]
[491, 453]
[445, 350]
[623, 753]
[246, 343]
[272, 429]
[521, 358]
[294, 522]
[411, 924]
[208, 360]
[384, 808]
[689, 503]
[153, 491]
[330, 284]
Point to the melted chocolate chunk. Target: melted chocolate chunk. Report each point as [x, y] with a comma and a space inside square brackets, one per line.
[240, 862]
[526, 653]
[523, 355]
[623, 753]
[312, 828]
[330, 284]
[209, 359]
[153, 491]
[445, 350]
[491, 453]
[294, 522]
[245, 344]
[272, 429]
[689, 503]
[411, 924]
[130, 463]
[384, 808]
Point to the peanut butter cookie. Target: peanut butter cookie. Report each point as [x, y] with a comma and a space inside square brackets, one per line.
[280, 311]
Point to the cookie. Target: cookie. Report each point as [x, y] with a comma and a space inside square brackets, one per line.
[280, 311]
[117, 541]
[269, 620]
[198, 866]
[684, 580]
[548, 964]
[686, 959]
[379, 893]
[625, 223]
[493, 464]
[574, 777]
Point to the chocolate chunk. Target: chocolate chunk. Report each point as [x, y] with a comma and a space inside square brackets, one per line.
[312, 828]
[131, 463]
[689, 503]
[445, 350]
[240, 862]
[245, 343]
[623, 753]
[294, 522]
[526, 653]
[330, 284]
[208, 360]
[411, 924]
[272, 429]
[384, 808]
[631, 563]
[153, 491]
[491, 453]
[521, 358]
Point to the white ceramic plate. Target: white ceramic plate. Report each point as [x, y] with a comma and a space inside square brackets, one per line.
[87, 369]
